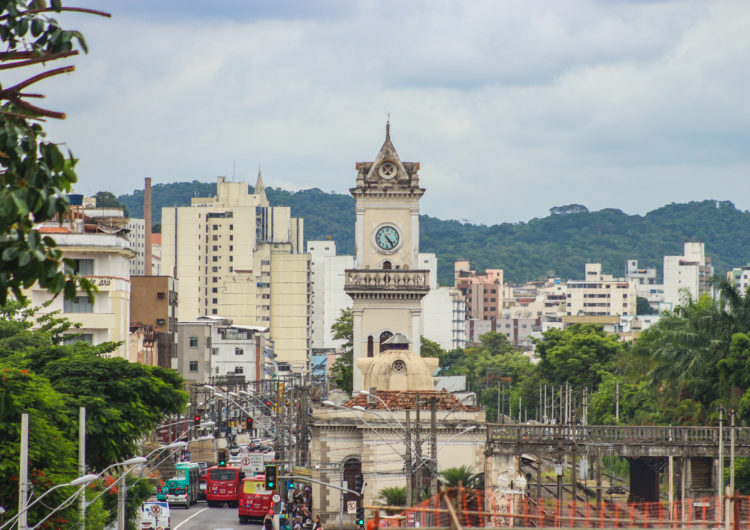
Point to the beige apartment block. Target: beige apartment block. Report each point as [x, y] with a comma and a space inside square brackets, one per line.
[600, 294]
[102, 254]
[237, 257]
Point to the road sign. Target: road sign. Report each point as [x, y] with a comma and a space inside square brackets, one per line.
[276, 497]
[245, 460]
[351, 507]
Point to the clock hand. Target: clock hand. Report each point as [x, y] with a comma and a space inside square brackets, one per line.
[389, 240]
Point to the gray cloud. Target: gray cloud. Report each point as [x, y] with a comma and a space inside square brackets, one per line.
[512, 107]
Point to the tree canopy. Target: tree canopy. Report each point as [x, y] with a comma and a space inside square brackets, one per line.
[36, 174]
[50, 379]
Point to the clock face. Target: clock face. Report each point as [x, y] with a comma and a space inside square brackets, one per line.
[387, 237]
[387, 170]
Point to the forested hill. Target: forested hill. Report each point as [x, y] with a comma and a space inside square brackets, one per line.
[558, 245]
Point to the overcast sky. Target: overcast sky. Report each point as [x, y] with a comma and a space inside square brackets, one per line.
[511, 107]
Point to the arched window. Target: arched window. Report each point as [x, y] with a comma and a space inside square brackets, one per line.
[387, 265]
[370, 346]
[384, 337]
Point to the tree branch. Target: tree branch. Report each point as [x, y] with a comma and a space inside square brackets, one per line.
[51, 10]
[40, 59]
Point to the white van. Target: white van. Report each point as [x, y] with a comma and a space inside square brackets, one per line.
[155, 516]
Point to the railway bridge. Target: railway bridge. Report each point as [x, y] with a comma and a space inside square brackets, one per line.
[690, 455]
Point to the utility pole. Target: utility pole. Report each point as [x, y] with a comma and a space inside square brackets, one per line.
[720, 504]
[433, 447]
[121, 493]
[617, 400]
[82, 462]
[498, 402]
[418, 452]
[23, 475]
[409, 471]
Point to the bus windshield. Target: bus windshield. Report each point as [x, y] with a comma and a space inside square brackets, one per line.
[223, 474]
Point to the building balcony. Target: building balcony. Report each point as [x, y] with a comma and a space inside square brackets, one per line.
[392, 281]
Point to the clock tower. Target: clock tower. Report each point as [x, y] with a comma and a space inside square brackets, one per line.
[386, 287]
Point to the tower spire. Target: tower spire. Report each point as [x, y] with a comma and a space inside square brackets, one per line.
[388, 128]
[260, 189]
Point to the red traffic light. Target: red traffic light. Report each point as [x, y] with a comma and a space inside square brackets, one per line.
[268, 403]
[249, 424]
[197, 420]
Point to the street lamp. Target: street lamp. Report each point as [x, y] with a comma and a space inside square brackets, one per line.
[80, 481]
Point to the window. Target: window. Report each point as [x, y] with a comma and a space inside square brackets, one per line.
[214, 311]
[193, 342]
[231, 247]
[231, 258]
[231, 227]
[214, 269]
[214, 300]
[78, 337]
[161, 295]
[214, 279]
[239, 351]
[214, 290]
[83, 267]
[193, 366]
[215, 248]
[160, 322]
[214, 258]
[231, 269]
[370, 346]
[238, 370]
[215, 351]
[216, 227]
[79, 304]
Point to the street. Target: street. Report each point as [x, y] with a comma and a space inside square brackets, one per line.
[201, 517]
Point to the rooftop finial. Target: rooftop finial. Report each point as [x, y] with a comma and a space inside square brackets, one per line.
[388, 127]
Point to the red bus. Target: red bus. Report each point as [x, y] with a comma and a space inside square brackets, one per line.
[223, 485]
[255, 499]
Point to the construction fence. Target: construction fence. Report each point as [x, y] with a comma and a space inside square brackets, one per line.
[465, 508]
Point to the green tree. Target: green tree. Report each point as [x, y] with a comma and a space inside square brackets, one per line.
[106, 199]
[36, 175]
[579, 355]
[393, 496]
[342, 371]
[124, 401]
[642, 307]
[453, 476]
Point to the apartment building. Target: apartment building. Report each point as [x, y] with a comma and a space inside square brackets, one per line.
[687, 275]
[136, 234]
[95, 239]
[327, 278]
[237, 257]
[211, 348]
[740, 278]
[483, 292]
[153, 308]
[600, 294]
[645, 282]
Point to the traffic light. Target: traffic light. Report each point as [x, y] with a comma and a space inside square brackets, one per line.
[249, 424]
[358, 483]
[197, 420]
[222, 457]
[271, 474]
[290, 485]
[268, 403]
[360, 515]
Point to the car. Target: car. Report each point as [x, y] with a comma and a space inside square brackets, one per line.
[155, 514]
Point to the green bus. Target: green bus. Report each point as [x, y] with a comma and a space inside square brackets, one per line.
[183, 488]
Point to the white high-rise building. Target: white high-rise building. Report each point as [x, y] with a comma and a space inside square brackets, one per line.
[443, 309]
[137, 237]
[645, 283]
[689, 274]
[327, 278]
[600, 294]
[237, 257]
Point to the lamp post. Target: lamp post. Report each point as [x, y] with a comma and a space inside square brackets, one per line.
[80, 481]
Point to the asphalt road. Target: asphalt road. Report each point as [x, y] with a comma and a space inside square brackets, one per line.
[201, 517]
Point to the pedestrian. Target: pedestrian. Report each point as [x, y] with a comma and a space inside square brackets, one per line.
[297, 523]
[316, 524]
[268, 521]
